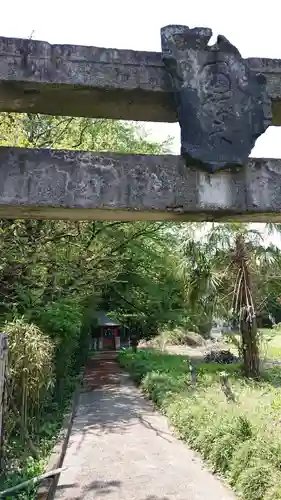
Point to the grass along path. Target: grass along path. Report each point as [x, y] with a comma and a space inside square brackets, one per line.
[240, 440]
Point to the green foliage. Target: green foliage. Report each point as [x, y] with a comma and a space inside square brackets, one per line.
[120, 264]
[62, 321]
[34, 369]
[274, 492]
[240, 440]
[254, 481]
[31, 367]
[209, 266]
[29, 469]
[255, 450]
[12, 131]
[89, 134]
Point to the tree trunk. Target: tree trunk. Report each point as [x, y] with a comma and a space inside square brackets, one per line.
[134, 343]
[246, 309]
[250, 348]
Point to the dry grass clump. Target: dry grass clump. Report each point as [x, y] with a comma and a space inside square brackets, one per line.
[179, 337]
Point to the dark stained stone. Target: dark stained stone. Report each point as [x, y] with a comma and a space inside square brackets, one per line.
[222, 105]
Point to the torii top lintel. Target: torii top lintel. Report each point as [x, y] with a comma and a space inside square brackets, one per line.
[73, 80]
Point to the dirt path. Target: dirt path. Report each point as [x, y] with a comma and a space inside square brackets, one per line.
[121, 449]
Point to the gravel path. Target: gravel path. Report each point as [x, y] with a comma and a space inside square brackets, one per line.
[121, 449]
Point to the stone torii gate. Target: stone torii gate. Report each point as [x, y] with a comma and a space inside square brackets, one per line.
[222, 102]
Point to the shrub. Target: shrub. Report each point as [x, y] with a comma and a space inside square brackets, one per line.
[62, 321]
[218, 441]
[255, 480]
[31, 366]
[227, 434]
[221, 452]
[274, 492]
[189, 418]
[251, 451]
[160, 386]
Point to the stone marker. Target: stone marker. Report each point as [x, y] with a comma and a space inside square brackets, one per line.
[222, 105]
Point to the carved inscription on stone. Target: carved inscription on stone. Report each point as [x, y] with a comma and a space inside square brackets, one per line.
[222, 105]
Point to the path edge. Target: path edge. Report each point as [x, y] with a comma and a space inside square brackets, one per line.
[47, 488]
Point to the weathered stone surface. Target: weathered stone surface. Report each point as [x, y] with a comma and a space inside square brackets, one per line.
[103, 83]
[222, 105]
[39, 183]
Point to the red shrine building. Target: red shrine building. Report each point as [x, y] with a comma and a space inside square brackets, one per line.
[106, 333]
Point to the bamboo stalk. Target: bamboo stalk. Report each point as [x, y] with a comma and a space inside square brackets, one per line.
[24, 430]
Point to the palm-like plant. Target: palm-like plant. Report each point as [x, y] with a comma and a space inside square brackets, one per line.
[228, 271]
[202, 280]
